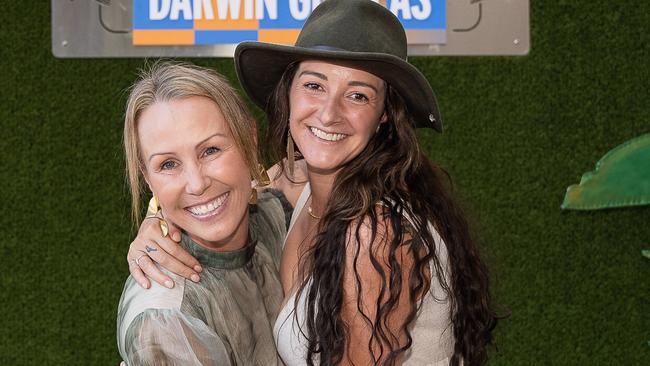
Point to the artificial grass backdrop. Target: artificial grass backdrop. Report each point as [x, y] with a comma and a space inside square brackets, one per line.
[519, 130]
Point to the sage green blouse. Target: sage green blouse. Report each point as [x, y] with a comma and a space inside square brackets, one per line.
[225, 319]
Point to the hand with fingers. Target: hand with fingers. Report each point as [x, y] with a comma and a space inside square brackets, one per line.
[151, 247]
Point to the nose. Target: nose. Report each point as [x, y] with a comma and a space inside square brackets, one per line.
[196, 181]
[331, 110]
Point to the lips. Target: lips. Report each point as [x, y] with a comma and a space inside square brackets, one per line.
[210, 208]
[333, 137]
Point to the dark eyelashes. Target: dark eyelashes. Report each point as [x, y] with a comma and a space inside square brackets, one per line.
[167, 165]
[170, 164]
[311, 86]
[211, 150]
[360, 97]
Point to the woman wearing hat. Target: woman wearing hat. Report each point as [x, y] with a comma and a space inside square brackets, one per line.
[378, 265]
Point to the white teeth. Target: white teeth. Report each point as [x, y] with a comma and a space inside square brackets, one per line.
[327, 136]
[206, 209]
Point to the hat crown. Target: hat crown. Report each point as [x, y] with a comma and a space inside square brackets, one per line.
[356, 26]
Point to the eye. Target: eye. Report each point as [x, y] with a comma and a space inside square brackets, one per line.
[312, 86]
[211, 151]
[168, 165]
[359, 97]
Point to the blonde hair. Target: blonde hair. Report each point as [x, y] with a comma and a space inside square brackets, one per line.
[166, 81]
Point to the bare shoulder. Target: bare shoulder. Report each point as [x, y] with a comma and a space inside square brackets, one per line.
[371, 256]
[366, 239]
[291, 186]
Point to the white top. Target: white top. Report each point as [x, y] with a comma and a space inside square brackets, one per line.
[432, 333]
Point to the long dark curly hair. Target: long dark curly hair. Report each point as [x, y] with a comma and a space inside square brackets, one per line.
[393, 174]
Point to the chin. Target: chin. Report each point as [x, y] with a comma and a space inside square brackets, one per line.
[217, 227]
[324, 163]
[221, 233]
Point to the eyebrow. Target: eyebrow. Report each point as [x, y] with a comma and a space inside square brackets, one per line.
[361, 83]
[199, 144]
[314, 73]
[351, 83]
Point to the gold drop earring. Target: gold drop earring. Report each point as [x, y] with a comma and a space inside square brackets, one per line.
[291, 151]
[154, 211]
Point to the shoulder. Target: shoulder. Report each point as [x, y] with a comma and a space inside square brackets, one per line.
[271, 212]
[135, 297]
[135, 300]
[374, 235]
[399, 228]
[378, 247]
[269, 221]
[372, 250]
[273, 202]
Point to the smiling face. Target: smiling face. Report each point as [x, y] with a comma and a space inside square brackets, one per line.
[194, 167]
[335, 110]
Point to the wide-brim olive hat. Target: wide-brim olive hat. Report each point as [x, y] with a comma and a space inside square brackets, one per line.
[360, 33]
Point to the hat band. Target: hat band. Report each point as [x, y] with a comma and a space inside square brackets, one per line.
[326, 48]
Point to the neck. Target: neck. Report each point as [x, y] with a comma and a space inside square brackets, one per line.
[321, 187]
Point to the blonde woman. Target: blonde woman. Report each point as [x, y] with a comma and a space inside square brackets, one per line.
[190, 141]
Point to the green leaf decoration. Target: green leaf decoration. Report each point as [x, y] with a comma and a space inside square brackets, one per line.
[646, 253]
[621, 178]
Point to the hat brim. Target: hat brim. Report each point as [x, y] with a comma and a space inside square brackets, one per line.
[260, 66]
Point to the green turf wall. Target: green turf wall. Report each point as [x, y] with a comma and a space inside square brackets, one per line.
[519, 130]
